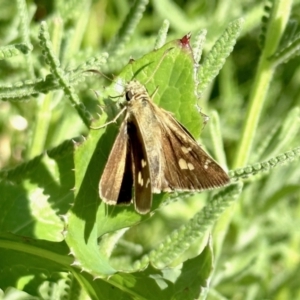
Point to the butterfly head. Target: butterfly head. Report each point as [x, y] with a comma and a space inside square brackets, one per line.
[134, 90]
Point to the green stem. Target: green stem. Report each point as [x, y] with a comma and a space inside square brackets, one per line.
[44, 114]
[279, 16]
[41, 126]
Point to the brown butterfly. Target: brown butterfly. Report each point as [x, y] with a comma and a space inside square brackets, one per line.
[154, 153]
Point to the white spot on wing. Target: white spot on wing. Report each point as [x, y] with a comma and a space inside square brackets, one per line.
[190, 166]
[140, 179]
[182, 164]
[186, 150]
[185, 165]
[144, 163]
[148, 182]
[206, 163]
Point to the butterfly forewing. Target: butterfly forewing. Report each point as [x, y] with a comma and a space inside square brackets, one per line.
[187, 165]
[115, 186]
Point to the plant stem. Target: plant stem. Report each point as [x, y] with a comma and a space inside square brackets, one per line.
[280, 13]
[41, 126]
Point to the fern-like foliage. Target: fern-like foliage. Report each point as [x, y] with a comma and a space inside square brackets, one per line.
[264, 22]
[56, 235]
[216, 57]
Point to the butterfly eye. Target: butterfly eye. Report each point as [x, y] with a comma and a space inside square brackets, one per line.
[128, 95]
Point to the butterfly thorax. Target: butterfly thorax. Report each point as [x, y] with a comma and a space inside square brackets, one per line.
[140, 108]
[141, 112]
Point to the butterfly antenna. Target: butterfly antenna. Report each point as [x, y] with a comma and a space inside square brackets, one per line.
[159, 63]
[105, 76]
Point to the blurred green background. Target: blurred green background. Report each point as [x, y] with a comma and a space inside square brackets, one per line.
[259, 257]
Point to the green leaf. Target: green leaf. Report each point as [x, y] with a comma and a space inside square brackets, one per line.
[40, 193]
[12, 293]
[14, 50]
[186, 281]
[29, 262]
[170, 69]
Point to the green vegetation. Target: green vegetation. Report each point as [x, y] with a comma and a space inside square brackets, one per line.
[57, 238]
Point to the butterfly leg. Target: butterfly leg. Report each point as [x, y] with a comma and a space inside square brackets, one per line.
[112, 121]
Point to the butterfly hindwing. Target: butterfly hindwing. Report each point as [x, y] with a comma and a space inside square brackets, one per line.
[141, 173]
[116, 182]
